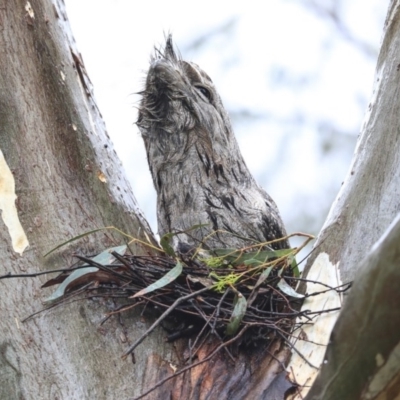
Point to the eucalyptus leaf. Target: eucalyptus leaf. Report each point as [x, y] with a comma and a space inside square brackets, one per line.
[169, 277]
[295, 268]
[206, 282]
[165, 244]
[264, 275]
[104, 258]
[287, 289]
[253, 262]
[237, 315]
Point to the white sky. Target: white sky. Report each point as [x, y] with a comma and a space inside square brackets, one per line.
[303, 81]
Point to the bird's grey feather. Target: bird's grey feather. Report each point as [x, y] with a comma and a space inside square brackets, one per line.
[197, 168]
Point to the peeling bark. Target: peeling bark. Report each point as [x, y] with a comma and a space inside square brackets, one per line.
[362, 359]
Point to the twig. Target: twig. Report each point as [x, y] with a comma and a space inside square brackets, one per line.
[36, 274]
[213, 331]
[211, 355]
[297, 351]
[104, 268]
[162, 317]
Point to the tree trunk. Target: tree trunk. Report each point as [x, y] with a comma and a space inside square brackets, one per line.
[369, 199]
[360, 361]
[68, 181]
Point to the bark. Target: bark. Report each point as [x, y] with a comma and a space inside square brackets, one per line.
[360, 360]
[68, 180]
[369, 199]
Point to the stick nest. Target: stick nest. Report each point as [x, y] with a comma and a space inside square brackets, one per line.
[224, 292]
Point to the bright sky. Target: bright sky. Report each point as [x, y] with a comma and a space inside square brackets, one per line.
[295, 80]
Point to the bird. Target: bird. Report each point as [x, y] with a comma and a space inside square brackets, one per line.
[206, 195]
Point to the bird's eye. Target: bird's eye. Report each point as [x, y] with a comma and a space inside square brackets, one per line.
[205, 92]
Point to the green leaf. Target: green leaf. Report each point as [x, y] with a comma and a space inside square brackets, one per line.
[104, 258]
[253, 262]
[169, 277]
[295, 268]
[264, 275]
[287, 289]
[237, 315]
[165, 244]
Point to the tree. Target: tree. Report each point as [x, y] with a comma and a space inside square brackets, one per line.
[360, 241]
[68, 180]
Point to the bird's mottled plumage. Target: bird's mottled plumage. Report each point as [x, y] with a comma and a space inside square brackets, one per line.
[198, 171]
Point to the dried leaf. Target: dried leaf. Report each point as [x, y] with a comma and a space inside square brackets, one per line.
[103, 258]
[206, 282]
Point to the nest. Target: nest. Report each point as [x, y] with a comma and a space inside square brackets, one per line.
[241, 296]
